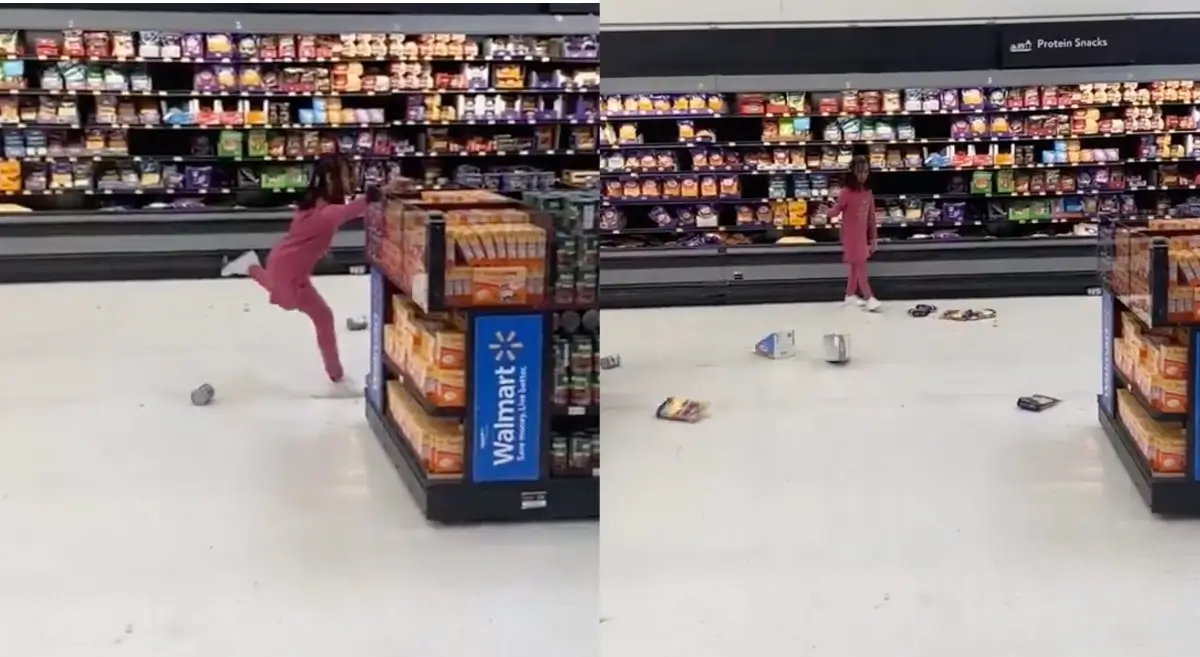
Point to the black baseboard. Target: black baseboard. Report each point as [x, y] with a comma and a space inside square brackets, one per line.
[144, 266]
[909, 288]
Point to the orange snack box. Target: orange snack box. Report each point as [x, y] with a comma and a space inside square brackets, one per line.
[1170, 453]
[443, 388]
[1172, 361]
[1171, 395]
[444, 452]
[441, 346]
[437, 441]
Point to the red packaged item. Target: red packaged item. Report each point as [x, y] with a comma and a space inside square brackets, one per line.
[268, 47]
[73, 44]
[872, 102]
[751, 104]
[306, 47]
[851, 103]
[45, 48]
[97, 44]
[287, 47]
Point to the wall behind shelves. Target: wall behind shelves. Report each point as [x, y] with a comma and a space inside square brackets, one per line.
[660, 14]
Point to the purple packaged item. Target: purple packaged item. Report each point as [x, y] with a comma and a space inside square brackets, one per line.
[192, 46]
[611, 219]
[197, 177]
[662, 218]
[949, 100]
[363, 142]
[205, 80]
[955, 212]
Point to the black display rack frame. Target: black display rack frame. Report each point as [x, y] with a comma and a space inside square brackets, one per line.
[1164, 495]
[460, 500]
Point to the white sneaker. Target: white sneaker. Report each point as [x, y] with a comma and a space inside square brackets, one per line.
[240, 266]
[855, 300]
[873, 305]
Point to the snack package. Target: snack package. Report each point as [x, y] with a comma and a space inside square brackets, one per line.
[149, 44]
[679, 409]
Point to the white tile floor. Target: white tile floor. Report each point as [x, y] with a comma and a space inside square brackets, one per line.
[899, 506]
[269, 524]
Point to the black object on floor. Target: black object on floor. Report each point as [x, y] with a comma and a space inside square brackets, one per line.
[1037, 403]
[922, 310]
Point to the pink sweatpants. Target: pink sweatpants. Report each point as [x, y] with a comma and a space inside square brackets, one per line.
[856, 280]
[307, 300]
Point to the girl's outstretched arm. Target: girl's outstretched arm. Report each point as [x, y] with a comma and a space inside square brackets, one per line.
[839, 206]
[332, 217]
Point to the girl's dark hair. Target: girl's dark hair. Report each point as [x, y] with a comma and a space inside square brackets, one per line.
[326, 182]
[852, 181]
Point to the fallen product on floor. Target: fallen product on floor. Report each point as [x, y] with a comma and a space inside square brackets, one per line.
[679, 409]
[837, 348]
[968, 315]
[922, 310]
[356, 323]
[1037, 403]
[610, 362]
[203, 395]
[780, 344]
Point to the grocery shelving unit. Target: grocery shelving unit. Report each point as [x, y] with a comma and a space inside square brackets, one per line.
[947, 162]
[528, 440]
[185, 137]
[1149, 350]
[1050, 171]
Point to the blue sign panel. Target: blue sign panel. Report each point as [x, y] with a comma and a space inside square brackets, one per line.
[375, 378]
[506, 398]
[1108, 322]
[1194, 412]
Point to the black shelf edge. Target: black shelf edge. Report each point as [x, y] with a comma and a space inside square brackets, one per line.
[892, 290]
[575, 411]
[959, 111]
[799, 250]
[454, 412]
[454, 502]
[134, 266]
[1166, 496]
[1155, 414]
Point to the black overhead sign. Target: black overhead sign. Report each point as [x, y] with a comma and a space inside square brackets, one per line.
[1052, 45]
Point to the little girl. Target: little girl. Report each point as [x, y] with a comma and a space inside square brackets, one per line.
[288, 274]
[859, 233]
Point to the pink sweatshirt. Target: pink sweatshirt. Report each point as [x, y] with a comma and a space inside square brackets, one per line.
[292, 260]
[858, 227]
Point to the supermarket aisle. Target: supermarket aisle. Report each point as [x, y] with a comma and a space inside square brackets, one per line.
[133, 524]
[899, 506]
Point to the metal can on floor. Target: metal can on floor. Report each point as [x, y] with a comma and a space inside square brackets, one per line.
[837, 348]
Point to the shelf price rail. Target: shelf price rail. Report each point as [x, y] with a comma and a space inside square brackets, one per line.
[508, 411]
[1138, 274]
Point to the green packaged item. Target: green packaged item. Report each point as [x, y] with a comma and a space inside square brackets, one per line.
[1005, 183]
[981, 182]
[257, 144]
[229, 144]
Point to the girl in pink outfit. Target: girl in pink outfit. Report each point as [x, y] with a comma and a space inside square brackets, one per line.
[287, 278]
[859, 233]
